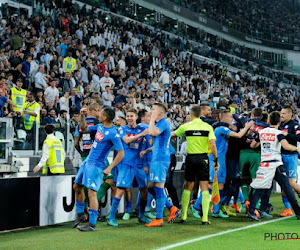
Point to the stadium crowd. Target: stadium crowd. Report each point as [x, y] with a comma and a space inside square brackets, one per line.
[254, 18]
[104, 59]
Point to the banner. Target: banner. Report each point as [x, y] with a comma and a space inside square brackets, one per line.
[57, 199]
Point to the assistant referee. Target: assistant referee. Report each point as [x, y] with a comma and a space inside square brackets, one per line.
[200, 139]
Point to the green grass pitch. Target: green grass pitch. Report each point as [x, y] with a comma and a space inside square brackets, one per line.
[132, 235]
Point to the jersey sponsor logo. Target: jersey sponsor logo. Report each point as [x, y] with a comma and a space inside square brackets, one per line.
[197, 133]
[268, 137]
[99, 136]
[88, 146]
[140, 139]
[264, 164]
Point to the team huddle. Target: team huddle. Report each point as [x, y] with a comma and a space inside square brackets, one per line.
[246, 154]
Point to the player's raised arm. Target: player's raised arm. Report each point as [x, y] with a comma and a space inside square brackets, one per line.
[83, 126]
[153, 130]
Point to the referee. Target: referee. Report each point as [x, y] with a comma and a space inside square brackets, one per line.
[200, 139]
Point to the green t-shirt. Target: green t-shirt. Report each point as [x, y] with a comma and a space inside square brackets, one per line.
[198, 134]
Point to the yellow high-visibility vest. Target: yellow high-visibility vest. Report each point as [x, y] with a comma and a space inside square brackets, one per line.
[232, 110]
[19, 98]
[70, 64]
[30, 119]
[55, 161]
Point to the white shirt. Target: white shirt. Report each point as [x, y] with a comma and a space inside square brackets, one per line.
[50, 94]
[94, 41]
[164, 78]
[95, 83]
[121, 64]
[45, 155]
[106, 81]
[64, 104]
[270, 144]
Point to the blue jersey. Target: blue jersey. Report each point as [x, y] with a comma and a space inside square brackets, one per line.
[105, 139]
[133, 149]
[160, 150]
[222, 135]
[146, 144]
[87, 137]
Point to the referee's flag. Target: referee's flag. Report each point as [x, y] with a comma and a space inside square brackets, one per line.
[215, 197]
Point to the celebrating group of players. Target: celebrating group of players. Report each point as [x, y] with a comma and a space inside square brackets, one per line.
[244, 152]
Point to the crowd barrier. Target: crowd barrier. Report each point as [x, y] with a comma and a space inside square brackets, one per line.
[49, 200]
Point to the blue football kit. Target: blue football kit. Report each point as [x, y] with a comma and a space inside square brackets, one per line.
[91, 172]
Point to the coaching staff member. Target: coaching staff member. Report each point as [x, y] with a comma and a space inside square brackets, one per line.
[200, 139]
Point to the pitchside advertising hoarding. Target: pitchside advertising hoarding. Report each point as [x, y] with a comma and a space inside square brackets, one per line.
[57, 200]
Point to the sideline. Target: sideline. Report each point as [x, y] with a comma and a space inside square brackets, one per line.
[220, 233]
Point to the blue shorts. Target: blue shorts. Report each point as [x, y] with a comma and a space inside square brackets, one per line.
[158, 171]
[146, 163]
[128, 173]
[115, 172]
[221, 173]
[90, 175]
[290, 163]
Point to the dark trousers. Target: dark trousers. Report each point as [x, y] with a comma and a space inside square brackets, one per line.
[284, 183]
[169, 182]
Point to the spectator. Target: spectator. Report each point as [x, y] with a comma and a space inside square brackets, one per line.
[106, 81]
[40, 80]
[52, 93]
[64, 102]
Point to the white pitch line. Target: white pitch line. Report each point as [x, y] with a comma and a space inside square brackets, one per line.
[220, 233]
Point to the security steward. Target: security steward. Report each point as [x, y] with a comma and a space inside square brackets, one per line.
[69, 63]
[53, 156]
[200, 139]
[18, 96]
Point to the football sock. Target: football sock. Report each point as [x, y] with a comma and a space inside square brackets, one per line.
[245, 191]
[198, 203]
[114, 208]
[168, 203]
[137, 206]
[286, 202]
[143, 204]
[185, 200]
[241, 197]
[205, 205]
[149, 200]
[93, 216]
[79, 207]
[102, 191]
[160, 202]
[128, 207]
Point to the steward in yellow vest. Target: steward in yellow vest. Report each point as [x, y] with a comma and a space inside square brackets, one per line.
[69, 64]
[53, 156]
[18, 96]
[31, 112]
